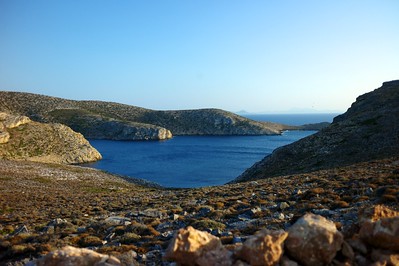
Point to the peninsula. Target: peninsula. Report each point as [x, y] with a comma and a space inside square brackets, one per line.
[107, 120]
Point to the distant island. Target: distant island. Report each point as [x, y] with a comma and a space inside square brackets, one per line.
[107, 120]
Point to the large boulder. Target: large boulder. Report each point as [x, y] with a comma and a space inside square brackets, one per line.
[380, 228]
[264, 248]
[313, 240]
[192, 247]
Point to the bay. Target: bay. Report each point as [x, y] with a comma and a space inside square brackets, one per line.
[189, 161]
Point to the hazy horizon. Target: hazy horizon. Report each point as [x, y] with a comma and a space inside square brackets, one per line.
[262, 57]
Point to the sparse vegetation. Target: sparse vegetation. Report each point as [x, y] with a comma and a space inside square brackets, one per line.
[35, 195]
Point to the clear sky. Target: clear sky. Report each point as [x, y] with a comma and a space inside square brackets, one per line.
[259, 56]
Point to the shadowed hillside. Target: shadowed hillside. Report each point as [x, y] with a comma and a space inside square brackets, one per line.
[368, 130]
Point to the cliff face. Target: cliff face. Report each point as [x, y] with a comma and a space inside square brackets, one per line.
[24, 139]
[368, 130]
[105, 120]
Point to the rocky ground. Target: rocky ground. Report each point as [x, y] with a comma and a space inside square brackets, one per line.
[46, 207]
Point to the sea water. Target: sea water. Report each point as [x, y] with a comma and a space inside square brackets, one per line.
[191, 161]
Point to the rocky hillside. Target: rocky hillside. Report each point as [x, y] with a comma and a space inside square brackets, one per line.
[368, 130]
[106, 120]
[45, 207]
[23, 139]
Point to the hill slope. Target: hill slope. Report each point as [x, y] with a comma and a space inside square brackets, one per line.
[106, 120]
[368, 130]
[24, 139]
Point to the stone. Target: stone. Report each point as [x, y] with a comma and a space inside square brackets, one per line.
[279, 215]
[57, 222]
[3, 116]
[4, 137]
[117, 220]
[313, 240]
[347, 251]
[264, 248]
[375, 213]
[283, 205]
[193, 247]
[384, 257]
[21, 230]
[383, 233]
[357, 245]
[75, 256]
[15, 121]
[285, 261]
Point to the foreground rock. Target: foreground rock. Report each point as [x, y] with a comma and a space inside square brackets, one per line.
[264, 248]
[369, 130]
[381, 230]
[313, 240]
[23, 139]
[193, 247]
[69, 256]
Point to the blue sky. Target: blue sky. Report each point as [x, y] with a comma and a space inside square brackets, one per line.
[259, 56]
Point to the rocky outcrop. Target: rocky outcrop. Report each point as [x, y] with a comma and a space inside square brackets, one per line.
[106, 120]
[23, 139]
[8, 122]
[369, 130]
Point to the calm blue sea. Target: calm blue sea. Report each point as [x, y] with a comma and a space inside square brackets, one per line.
[194, 161]
[293, 119]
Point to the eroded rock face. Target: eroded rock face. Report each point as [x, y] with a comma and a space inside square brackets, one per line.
[193, 247]
[264, 248]
[8, 121]
[23, 139]
[75, 256]
[15, 121]
[313, 240]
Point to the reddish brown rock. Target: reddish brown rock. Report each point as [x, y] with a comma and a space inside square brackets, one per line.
[383, 257]
[383, 233]
[376, 212]
[193, 247]
[264, 248]
[75, 256]
[313, 240]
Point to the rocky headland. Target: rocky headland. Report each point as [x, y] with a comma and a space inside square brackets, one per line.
[369, 130]
[23, 139]
[107, 120]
